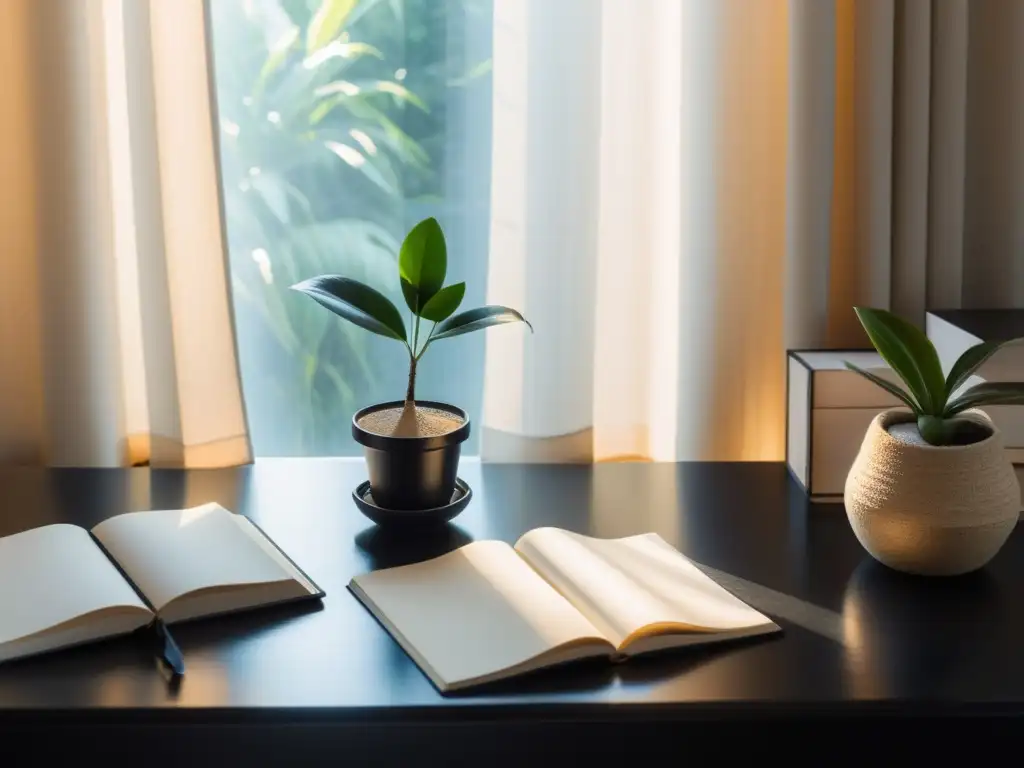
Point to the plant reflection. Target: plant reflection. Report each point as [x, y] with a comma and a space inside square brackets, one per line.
[386, 548]
[913, 635]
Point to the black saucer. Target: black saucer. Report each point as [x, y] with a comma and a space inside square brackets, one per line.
[412, 517]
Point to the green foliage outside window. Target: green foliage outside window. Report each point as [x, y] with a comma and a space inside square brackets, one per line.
[332, 123]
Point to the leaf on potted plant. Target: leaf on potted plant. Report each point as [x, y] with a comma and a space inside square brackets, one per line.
[477, 320]
[943, 504]
[357, 303]
[399, 437]
[422, 263]
[443, 303]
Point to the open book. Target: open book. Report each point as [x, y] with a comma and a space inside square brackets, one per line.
[63, 585]
[488, 611]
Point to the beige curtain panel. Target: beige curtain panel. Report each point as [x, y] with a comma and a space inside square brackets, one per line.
[683, 190]
[116, 338]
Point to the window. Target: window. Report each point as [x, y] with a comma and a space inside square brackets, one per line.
[342, 123]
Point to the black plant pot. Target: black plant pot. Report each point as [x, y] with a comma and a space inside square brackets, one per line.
[412, 472]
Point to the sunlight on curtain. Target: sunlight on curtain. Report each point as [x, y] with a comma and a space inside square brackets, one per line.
[194, 395]
[128, 337]
[21, 397]
[638, 221]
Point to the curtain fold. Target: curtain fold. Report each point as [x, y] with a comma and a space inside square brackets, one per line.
[116, 337]
[682, 191]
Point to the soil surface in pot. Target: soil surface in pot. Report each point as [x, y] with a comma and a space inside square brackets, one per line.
[427, 422]
[970, 432]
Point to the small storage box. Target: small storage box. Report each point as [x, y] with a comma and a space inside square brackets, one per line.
[828, 413]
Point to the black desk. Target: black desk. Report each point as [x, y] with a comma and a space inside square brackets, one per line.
[861, 644]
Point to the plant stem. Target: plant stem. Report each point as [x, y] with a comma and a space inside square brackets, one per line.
[415, 335]
[410, 391]
[427, 342]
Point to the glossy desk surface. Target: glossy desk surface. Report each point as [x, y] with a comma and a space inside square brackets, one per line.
[858, 639]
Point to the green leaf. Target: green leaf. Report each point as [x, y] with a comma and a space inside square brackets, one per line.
[910, 354]
[399, 93]
[375, 123]
[356, 160]
[401, 141]
[888, 386]
[969, 362]
[423, 262]
[356, 302]
[477, 319]
[478, 70]
[277, 56]
[364, 7]
[937, 430]
[412, 296]
[443, 303]
[327, 23]
[344, 388]
[343, 87]
[347, 51]
[989, 393]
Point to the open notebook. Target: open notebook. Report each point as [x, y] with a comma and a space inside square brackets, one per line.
[65, 586]
[488, 611]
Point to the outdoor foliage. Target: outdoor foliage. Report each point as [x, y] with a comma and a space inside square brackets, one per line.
[332, 121]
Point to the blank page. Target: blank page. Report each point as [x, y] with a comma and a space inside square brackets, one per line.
[625, 586]
[170, 553]
[52, 575]
[474, 613]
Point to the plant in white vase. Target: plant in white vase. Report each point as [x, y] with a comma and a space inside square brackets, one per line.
[932, 491]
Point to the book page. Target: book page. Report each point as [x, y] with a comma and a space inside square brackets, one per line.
[173, 553]
[476, 614]
[634, 587]
[54, 575]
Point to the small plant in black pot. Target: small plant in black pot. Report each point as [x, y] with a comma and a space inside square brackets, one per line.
[412, 446]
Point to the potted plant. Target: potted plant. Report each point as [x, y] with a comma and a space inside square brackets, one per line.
[932, 490]
[412, 446]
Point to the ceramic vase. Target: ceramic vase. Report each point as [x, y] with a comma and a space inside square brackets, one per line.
[931, 510]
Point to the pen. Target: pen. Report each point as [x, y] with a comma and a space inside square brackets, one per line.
[165, 649]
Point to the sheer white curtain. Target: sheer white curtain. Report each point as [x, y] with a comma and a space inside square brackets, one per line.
[683, 189]
[116, 338]
[638, 220]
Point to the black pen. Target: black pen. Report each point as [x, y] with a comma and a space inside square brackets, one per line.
[165, 649]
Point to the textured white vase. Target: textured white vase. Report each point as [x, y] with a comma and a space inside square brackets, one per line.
[936, 511]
